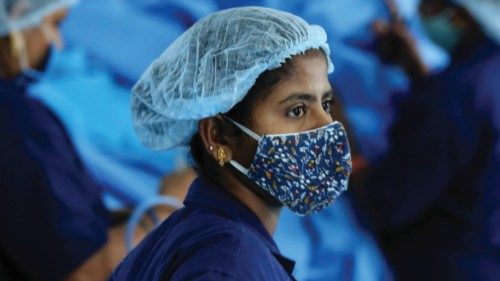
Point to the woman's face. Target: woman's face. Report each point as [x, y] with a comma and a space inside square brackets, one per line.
[37, 41]
[302, 101]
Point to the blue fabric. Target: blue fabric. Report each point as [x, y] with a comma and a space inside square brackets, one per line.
[436, 194]
[96, 111]
[124, 38]
[51, 214]
[185, 13]
[214, 237]
[331, 245]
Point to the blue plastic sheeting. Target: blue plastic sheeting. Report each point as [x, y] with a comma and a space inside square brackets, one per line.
[122, 37]
[185, 13]
[330, 245]
[96, 112]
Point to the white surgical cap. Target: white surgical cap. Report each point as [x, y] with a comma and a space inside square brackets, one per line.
[486, 13]
[16, 15]
[212, 66]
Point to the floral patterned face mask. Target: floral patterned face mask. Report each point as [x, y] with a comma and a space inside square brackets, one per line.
[304, 171]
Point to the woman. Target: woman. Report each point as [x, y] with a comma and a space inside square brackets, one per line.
[53, 223]
[247, 89]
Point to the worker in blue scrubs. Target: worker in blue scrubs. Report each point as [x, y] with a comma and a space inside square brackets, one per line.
[53, 223]
[247, 90]
[435, 196]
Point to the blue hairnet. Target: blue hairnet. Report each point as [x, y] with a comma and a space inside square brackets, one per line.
[20, 14]
[212, 66]
[486, 13]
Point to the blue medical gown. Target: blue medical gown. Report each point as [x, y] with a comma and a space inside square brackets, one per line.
[435, 196]
[51, 215]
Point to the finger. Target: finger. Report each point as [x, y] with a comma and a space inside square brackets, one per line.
[393, 10]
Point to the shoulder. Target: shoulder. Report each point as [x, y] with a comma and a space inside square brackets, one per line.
[27, 122]
[197, 243]
[28, 127]
[220, 246]
[21, 108]
[209, 232]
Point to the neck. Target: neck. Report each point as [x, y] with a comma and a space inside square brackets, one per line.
[267, 213]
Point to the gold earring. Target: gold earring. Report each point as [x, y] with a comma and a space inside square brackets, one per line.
[221, 156]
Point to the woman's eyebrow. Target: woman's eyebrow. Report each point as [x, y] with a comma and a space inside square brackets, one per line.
[306, 96]
[328, 94]
[299, 96]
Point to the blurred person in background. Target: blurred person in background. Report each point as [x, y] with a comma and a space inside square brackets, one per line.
[53, 223]
[434, 197]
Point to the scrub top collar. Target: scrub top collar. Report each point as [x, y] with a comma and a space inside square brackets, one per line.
[204, 193]
[17, 84]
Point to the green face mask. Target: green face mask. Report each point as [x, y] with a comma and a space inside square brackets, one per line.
[441, 30]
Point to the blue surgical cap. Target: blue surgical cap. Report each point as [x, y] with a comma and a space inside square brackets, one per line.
[212, 66]
[486, 13]
[16, 15]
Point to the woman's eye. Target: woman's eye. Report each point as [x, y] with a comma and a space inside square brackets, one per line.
[297, 112]
[328, 106]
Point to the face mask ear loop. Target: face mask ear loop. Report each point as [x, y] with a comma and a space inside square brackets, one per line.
[238, 167]
[21, 51]
[245, 129]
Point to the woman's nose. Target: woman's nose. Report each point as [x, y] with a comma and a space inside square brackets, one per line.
[321, 117]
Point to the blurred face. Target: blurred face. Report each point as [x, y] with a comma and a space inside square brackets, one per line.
[443, 23]
[302, 101]
[39, 39]
[431, 8]
[35, 41]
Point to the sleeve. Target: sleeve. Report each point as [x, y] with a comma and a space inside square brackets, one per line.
[51, 215]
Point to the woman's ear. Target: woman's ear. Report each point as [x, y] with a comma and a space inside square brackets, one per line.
[213, 139]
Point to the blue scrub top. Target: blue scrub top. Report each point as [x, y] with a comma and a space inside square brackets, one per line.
[435, 196]
[215, 237]
[51, 215]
